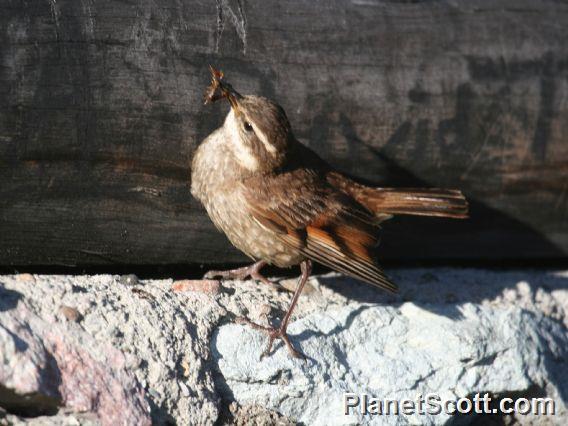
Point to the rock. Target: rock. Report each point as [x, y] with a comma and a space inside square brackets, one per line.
[388, 352]
[255, 415]
[70, 313]
[129, 279]
[211, 287]
[176, 356]
[126, 345]
[25, 278]
[44, 366]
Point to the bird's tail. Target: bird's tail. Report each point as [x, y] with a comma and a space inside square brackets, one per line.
[413, 201]
[384, 202]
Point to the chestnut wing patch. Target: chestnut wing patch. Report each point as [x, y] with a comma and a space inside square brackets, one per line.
[322, 223]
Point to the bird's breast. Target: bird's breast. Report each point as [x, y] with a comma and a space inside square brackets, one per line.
[215, 182]
[228, 211]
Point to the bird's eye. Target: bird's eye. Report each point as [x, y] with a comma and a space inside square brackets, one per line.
[248, 126]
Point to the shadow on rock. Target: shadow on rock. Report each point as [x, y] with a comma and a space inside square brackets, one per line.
[444, 290]
[8, 298]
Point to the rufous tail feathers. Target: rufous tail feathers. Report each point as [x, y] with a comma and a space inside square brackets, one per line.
[413, 201]
[384, 202]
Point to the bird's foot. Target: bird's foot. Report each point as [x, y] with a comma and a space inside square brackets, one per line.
[252, 271]
[273, 334]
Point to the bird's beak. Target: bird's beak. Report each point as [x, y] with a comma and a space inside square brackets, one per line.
[232, 96]
[221, 89]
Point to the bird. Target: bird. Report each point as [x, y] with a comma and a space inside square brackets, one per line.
[281, 204]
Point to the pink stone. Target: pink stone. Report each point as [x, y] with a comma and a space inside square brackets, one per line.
[211, 287]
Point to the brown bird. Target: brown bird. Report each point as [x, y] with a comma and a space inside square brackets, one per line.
[281, 204]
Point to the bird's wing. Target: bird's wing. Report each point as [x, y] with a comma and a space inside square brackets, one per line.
[324, 224]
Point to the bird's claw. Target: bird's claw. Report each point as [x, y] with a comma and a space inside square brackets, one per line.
[273, 334]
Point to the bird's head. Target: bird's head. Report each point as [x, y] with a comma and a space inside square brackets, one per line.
[256, 128]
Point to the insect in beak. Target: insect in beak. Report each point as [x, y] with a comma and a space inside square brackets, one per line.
[219, 89]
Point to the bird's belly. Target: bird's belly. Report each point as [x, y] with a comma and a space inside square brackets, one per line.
[227, 213]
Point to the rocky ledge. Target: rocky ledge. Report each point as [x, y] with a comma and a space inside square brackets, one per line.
[117, 350]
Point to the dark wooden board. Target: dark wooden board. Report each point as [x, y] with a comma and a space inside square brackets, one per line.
[101, 110]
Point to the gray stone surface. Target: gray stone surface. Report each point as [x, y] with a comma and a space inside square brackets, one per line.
[85, 349]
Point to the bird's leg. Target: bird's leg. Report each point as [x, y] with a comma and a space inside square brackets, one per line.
[243, 273]
[280, 332]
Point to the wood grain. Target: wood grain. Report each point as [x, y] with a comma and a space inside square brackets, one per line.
[101, 109]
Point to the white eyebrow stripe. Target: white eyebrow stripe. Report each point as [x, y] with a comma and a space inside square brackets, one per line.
[267, 145]
[242, 153]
